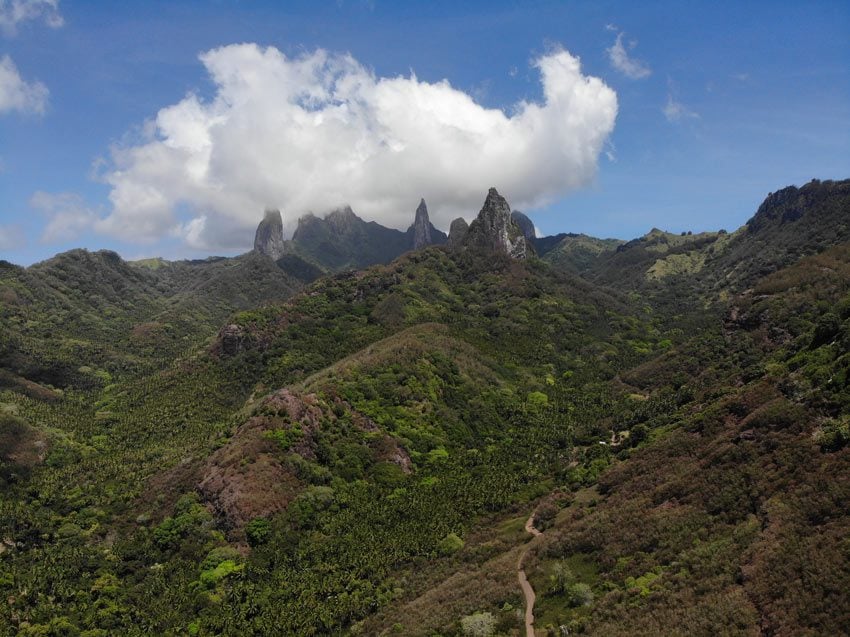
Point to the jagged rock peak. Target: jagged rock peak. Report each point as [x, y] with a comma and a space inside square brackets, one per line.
[269, 237]
[457, 232]
[342, 220]
[421, 228]
[525, 224]
[493, 229]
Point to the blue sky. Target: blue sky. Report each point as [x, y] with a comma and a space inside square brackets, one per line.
[717, 104]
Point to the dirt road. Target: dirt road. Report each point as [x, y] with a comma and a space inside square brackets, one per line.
[527, 590]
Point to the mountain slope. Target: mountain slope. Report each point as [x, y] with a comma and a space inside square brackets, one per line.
[789, 224]
[574, 252]
[96, 311]
[361, 457]
[342, 240]
[382, 470]
[731, 516]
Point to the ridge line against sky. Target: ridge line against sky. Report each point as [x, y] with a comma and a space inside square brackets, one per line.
[179, 122]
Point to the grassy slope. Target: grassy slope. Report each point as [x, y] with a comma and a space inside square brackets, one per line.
[574, 253]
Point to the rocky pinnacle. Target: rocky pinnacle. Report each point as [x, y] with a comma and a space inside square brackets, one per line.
[493, 229]
[269, 237]
[421, 227]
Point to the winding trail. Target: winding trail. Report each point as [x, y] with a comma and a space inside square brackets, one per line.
[527, 590]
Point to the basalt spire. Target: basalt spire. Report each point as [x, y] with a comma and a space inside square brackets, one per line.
[493, 229]
[269, 237]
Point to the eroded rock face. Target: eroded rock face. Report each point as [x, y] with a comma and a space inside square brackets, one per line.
[421, 227]
[494, 230]
[525, 224]
[232, 339]
[457, 232]
[269, 237]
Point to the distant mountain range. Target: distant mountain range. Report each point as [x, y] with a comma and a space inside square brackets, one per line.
[341, 240]
[784, 227]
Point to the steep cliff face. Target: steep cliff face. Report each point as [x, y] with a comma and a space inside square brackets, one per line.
[525, 224]
[421, 228]
[457, 233]
[494, 229]
[269, 237]
[342, 240]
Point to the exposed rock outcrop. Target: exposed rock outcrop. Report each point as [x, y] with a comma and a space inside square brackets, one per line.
[457, 232]
[269, 237]
[421, 228]
[341, 240]
[231, 340]
[525, 224]
[494, 230]
[423, 233]
[342, 221]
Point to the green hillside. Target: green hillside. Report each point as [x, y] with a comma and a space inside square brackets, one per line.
[229, 447]
[81, 317]
[574, 252]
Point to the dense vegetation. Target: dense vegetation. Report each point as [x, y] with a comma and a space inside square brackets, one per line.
[361, 458]
[80, 317]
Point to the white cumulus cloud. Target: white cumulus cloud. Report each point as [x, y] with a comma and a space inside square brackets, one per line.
[67, 213]
[13, 12]
[313, 132]
[621, 60]
[16, 94]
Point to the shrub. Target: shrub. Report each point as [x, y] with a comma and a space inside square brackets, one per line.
[833, 436]
[210, 578]
[545, 515]
[579, 594]
[826, 329]
[219, 555]
[537, 399]
[560, 578]
[450, 544]
[478, 624]
[388, 474]
[638, 434]
[285, 438]
[257, 531]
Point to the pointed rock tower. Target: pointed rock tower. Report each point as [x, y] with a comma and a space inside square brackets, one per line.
[421, 228]
[422, 233]
[494, 229]
[269, 237]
